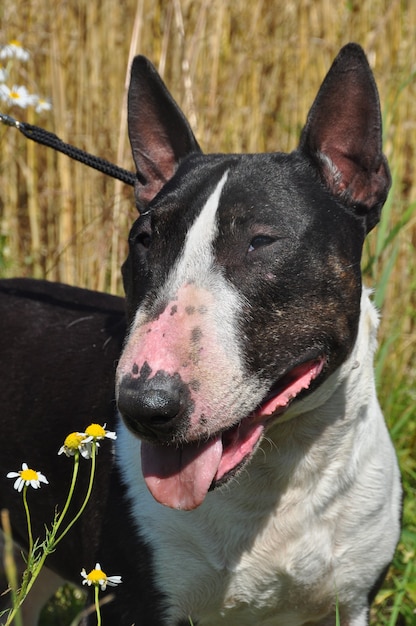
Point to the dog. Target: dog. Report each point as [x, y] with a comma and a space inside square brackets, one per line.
[254, 479]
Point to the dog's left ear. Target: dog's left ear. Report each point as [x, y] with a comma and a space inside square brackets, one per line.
[343, 136]
[159, 133]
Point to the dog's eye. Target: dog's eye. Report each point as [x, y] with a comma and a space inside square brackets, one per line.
[143, 239]
[141, 234]
[260, 242]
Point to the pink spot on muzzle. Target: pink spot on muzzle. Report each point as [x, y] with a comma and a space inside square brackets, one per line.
[172, 342]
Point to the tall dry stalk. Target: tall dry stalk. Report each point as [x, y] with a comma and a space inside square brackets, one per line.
[116, 259]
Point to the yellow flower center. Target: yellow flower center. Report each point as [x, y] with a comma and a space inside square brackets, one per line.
[96, 575]
[29, 474]
[14, 95]
[73, 441]
[15, 42]
[96, 431]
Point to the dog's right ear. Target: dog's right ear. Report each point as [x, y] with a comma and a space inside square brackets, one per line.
[159, 133]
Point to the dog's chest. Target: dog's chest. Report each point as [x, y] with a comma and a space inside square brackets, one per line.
[227, 562]
[274, 580]
[252, 572]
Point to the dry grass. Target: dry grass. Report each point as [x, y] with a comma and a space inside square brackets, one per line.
[245, 74]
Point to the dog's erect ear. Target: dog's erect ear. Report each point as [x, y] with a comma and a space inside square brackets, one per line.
[343, 135]
[159, 133]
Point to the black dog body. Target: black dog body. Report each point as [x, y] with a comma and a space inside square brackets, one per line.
[261, 486]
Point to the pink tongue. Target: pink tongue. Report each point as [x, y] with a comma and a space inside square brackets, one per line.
[180, 477]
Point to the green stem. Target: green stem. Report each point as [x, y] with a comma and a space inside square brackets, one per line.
[27, 585]
[97, 604]
[28, 574]
[29, 523]
[87, 497]
[70, 494]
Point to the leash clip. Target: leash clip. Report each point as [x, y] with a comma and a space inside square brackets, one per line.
[9, 120]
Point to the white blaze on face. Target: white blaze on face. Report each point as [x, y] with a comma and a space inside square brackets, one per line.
[196, 261]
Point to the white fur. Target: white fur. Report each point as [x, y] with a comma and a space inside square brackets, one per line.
[311, 518]
[197, 258]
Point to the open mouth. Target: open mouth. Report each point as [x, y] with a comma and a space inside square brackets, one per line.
[181, 477]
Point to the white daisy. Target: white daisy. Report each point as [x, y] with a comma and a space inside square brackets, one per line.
[96, 432]
[97, 577]
[75, 442]
[41, 104]
[17, 95]
[14, 50]
[27, 476]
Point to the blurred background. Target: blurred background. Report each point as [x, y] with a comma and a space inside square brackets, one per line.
[245, 74]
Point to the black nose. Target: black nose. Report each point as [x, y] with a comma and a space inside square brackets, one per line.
[157, 408]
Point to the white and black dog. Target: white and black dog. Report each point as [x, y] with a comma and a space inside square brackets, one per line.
[255, 482]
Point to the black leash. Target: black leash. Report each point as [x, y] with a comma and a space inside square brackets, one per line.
[52, 141]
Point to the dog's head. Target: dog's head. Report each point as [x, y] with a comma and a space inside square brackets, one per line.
[243, 277]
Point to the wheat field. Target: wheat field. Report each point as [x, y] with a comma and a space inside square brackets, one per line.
[245, 74]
